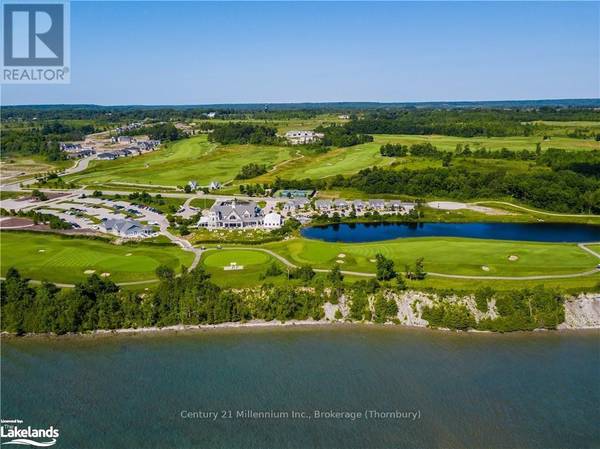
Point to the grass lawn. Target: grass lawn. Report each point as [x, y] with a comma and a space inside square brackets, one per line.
[443, 255]
[7, 194]
[57, 258]
[202, 203]
[182, 161]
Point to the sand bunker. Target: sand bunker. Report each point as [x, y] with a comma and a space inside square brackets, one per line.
[89, 271]
[41, 250]
[341, 255]
[128, 254]
[513, 258]
[373, 260]
[339, 261]
[485, 268]
[105, 275]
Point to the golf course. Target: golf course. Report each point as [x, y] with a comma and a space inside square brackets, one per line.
[444, 258]
[177, 163]
[67, 260]
[197, 159]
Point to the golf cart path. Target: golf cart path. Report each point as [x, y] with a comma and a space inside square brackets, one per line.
[442, 275]
[553, 214]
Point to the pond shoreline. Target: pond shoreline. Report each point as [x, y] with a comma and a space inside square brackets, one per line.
[376, 231]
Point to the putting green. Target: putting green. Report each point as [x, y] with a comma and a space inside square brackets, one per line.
[61, 259]
[444, 255]
[242, 257]
[255, 264]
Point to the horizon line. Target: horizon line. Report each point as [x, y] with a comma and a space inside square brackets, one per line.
[325, 102]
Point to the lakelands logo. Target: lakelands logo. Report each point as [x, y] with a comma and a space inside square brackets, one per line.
[35, 42]
[13, 432]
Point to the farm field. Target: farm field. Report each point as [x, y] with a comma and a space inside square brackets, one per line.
[190, 159]
[65, 259]
[443, 255]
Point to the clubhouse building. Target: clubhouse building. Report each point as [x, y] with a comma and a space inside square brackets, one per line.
[238, 214]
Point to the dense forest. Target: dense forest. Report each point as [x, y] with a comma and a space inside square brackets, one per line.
[462, 122]
[522, 111]
[341, 136]
[159, 131]
[242, 133]
[191, 298]
[43, 140]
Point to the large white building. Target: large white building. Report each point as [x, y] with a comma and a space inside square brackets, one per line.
[303, 137]
[272, 221]
[238, 214]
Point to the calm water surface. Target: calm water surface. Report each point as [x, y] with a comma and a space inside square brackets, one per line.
[536, 232]
[473, 391]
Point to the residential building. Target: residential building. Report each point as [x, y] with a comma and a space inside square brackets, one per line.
[359, 205]
[295, 204]
[70, 147]
[107, 156]
[377, 204]
[126, 228]
[82, 153]
[125, 139]
[323, 205]
[340, 204]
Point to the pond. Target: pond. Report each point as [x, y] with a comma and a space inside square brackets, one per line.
[534, 232]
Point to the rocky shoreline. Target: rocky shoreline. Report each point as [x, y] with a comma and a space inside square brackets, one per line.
[582, 312]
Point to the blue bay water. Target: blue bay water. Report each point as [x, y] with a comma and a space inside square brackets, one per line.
[522, 390]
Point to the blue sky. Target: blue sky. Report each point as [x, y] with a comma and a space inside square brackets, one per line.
[230, 52]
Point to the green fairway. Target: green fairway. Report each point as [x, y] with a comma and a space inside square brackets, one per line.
[56, 258]
[443, 255]
[346, 161]
[190, 159]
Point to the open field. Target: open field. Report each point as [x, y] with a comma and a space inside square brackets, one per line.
[63, 259]
[14, 169]
[491, 143]
[443, 255]
[189, 159]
